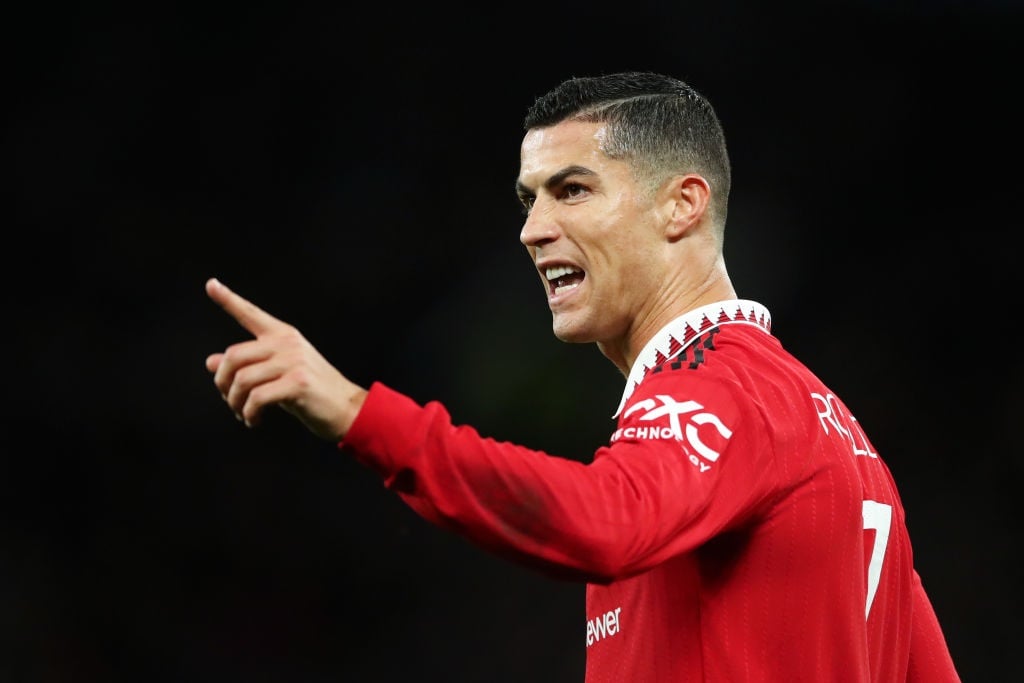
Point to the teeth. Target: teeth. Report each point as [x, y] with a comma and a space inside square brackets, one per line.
[555, 272]
[566, 288]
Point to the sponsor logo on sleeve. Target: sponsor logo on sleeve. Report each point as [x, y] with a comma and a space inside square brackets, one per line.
[680, 421]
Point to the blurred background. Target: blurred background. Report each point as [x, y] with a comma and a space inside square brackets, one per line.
[351, 170]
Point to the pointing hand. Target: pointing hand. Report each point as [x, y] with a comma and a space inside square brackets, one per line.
[279, 366]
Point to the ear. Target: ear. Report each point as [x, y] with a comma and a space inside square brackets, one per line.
[690, 196]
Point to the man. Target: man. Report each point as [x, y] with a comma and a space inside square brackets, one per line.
[739, 526]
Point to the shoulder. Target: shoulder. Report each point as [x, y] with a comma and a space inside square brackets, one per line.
[740, 373]
[703, 380]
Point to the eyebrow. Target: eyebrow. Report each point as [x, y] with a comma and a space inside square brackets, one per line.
[556, 179]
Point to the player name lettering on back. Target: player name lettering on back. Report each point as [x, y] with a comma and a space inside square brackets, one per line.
[834, 416]
[604, 626]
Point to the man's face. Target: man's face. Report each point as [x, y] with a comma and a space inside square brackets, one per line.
[591, 231]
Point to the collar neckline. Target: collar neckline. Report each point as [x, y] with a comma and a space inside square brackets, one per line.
[680, 333]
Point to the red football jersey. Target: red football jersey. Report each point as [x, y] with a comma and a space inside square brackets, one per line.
[739, 526]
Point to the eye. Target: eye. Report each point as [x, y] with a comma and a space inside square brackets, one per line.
[573, 190]
[562, 192]
[527, 200]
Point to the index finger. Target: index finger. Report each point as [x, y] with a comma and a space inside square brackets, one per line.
[249, 315]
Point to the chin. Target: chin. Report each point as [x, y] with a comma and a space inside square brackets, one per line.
[571, 334]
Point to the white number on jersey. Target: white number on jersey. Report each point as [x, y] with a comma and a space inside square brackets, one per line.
[877, 516]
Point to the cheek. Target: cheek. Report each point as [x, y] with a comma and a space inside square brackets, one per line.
[637, 266]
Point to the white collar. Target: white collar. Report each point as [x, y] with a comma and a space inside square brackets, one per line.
[681, 332]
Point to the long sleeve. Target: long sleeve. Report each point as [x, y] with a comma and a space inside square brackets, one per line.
[930, 660]
[638, 503]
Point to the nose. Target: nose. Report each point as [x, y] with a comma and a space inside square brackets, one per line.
[539, 228]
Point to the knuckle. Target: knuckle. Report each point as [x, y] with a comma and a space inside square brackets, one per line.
[243, 379]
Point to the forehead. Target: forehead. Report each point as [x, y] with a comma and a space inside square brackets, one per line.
[545, 151]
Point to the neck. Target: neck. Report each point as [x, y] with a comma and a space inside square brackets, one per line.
[713, 287]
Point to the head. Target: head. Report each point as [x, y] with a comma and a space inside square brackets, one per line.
[657, 124]
[625, 179]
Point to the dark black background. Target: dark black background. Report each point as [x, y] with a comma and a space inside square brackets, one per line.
[351, 170]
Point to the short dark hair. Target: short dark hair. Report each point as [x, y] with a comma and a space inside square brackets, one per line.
[660, 125]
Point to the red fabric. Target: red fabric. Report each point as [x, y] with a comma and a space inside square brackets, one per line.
[723, 532]
[929, 658]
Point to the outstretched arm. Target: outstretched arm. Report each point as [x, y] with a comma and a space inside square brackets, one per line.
[279, 366]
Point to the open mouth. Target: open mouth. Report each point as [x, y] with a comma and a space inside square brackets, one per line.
[562, 279]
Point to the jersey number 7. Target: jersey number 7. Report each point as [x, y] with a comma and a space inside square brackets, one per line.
[877, 516]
